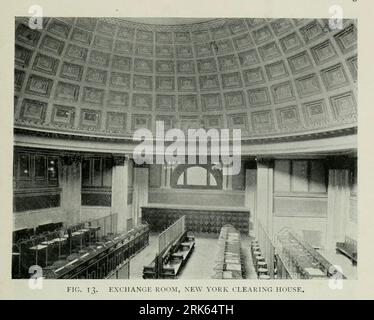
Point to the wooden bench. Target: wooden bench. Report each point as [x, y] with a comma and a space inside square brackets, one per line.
[348, 248]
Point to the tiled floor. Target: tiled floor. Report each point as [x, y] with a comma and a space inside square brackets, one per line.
[200, 264]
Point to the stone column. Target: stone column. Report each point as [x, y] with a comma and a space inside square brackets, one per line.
[71, 185]
[119, 191]
[338, 194]
[140, 195]
[250, 198]
[165, 176]
[264, 194]
[264, 210]
[226, 179]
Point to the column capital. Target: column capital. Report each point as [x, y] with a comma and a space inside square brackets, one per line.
[143, 165]
[120, 159]
[70, 159]
[264, 161]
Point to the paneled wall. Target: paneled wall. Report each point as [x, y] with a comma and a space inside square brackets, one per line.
[300, 198]
[198, 220]
[351, 230]
[97, 181]
[224, 198]
[36, 191]
[33, 218]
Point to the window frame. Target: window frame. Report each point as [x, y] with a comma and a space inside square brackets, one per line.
[182, 169]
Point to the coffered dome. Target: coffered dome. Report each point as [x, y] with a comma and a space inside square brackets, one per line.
[111, 76]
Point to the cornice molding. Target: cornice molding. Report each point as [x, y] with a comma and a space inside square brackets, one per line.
[335, 141]
[126, 139]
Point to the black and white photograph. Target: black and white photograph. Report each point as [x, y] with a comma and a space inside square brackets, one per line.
[185, 158]
[185, 148]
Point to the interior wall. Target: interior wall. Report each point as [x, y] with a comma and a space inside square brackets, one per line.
[195, 196]
[31, 219]
[351, 227]
[300, 198]
[224, 198]
[36, 189]
[94, 212]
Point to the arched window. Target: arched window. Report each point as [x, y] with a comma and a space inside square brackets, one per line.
[197, 176]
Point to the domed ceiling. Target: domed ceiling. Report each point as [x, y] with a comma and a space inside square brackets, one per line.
[111, 76]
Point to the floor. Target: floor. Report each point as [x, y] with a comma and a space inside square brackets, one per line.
[200, 264]
[349, 270]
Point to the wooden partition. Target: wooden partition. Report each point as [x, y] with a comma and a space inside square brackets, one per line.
[198, 219]
[108, 259]
[174, 249]
[267, 247]
[171, 234]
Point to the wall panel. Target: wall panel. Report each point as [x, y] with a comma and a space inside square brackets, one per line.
[197, 197]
